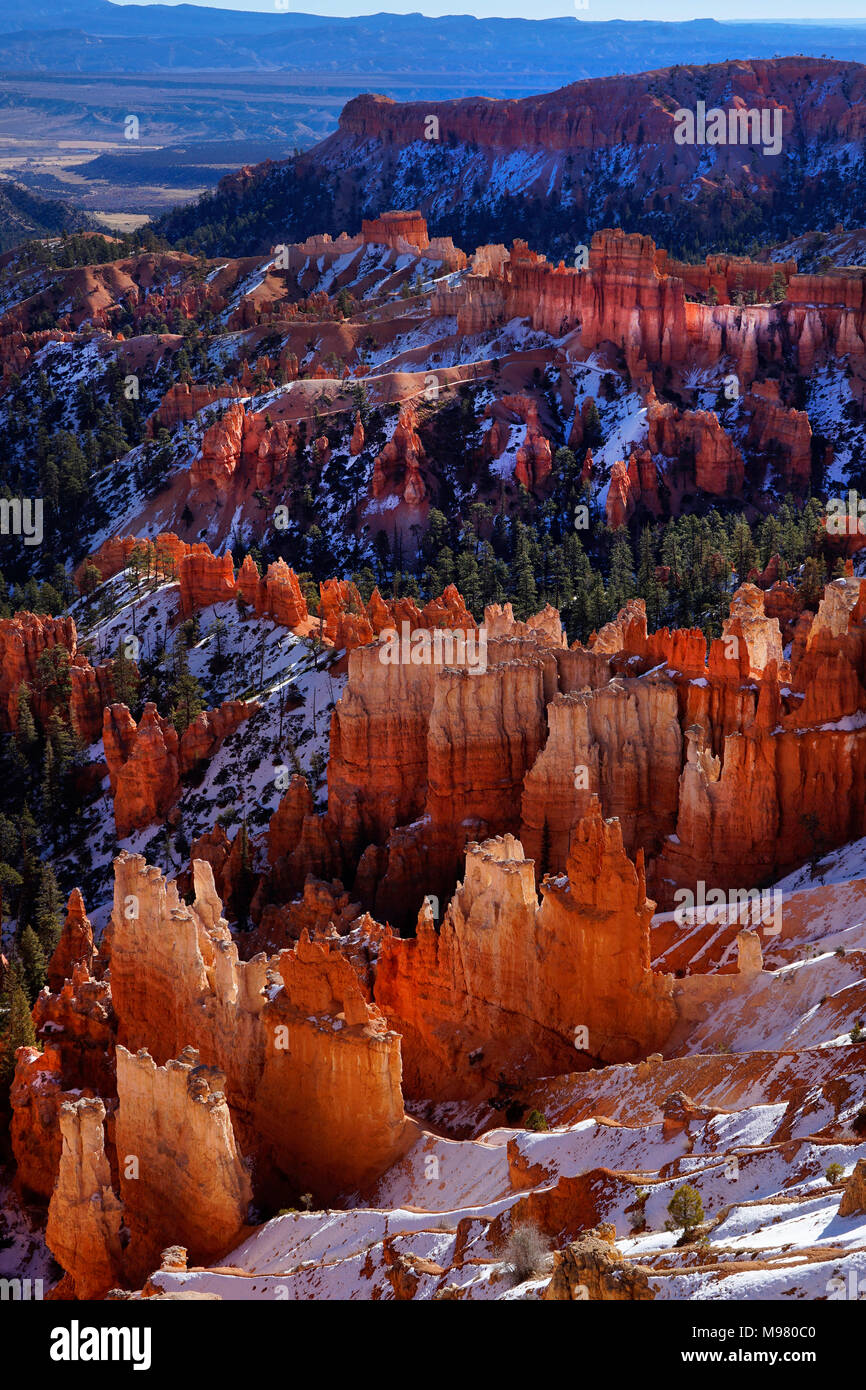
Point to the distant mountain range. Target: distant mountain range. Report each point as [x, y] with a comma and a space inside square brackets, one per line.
[99, 37]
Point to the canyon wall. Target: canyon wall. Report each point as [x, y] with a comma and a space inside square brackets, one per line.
[509, 985]
[272, 1028]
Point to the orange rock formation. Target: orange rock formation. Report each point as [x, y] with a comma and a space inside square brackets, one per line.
[574, 970]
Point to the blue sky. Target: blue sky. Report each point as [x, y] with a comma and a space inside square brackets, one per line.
[805, 10]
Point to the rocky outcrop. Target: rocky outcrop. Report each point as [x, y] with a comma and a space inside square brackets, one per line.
[592, 1268]
[75, 1026]
[147, 760]
[143, 766]
[615, 742]
[398, 466]
[177, 980]
[574, 970]
[23, 640]
[85, 1216]
[204, 737]
[853, 1201]
[220, 451]
[181, 1176]
[425, 758]
[36, 1095]
[285, 836]
[707, 458]
[408, 738]
[183, 401]
[75, 945]
[205, 578]
[79, 1023]
[356, 443]
[533, 459]
[400, 230]
[784, 435]
[632, 485]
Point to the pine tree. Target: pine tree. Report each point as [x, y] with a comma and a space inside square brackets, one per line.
[646, 563]
[525, 593]
[33, 962]
[811, 585]
[90, 578]
[53, 677]
[64, 743]
[621, 585]
[18, 1030]
[47, 907]
[26, 734]
[124, 678]
[469, 583]
[49, 782]
[592, 431]
[188, 701]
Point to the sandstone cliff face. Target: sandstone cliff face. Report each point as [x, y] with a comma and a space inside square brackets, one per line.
[76, 1027]
[321, 1025]
[85, 1215]
[220, 451]
[398, 466]
[785, 435]
[356, 444]
[394, 228]
[381, 719]
[533, 460]
[622, 743]
[574, 971]
[442, 742]
[147, 760]
[208, 731]
[183, 400]
[36, 1095]
[143, 766]
[23, 639]
[718, 466]
[748, 731]
[177, 981]
[79, 1023]
[205, 578]
[853, 1201]
[285, 831]
[425, 758]
[634, 296]
[202, 1202]
[75, 945]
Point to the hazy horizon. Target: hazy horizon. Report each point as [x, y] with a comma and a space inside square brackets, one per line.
[674, 11]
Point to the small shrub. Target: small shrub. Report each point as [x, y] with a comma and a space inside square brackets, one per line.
[834, 1173]
[637, 1218]
[537, 1121]
[527, 1253]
